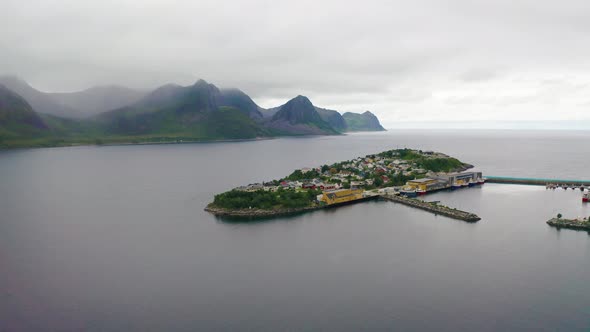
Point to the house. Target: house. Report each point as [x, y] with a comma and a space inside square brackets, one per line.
[328, 186]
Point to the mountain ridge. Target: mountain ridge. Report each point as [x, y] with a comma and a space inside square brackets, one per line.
[172, 112]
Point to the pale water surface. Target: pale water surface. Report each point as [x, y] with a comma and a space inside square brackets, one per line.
[116, 239]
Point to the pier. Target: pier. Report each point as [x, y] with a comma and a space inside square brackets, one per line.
[434, 208]
[537, 182]
[575, 224]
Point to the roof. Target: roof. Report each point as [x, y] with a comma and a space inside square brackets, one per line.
[422, 180]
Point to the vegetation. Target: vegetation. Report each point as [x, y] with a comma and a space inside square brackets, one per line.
[431, 163]
[266, 200]
[362, 122]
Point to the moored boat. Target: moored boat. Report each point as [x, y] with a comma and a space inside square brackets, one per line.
[586, 197]
[408, 192]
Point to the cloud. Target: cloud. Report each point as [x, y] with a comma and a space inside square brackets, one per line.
[423, 60]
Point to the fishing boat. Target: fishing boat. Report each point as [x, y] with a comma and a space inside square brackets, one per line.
[408, 192]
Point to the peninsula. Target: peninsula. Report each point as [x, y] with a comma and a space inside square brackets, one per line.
[389, 174]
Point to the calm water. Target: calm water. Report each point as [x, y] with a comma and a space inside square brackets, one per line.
[116, 239]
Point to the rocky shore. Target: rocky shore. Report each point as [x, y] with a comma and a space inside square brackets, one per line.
[582, 225]
[434, 208]
[257, 213]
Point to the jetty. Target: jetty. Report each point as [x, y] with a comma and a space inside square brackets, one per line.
[537, 181]
[576, 224]
[433, 207]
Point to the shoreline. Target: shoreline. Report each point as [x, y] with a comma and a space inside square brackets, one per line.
[251, 214]
[139, 143]
[258, 213]
[126, 143]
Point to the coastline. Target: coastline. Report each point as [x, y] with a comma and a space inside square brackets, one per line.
[66, 145]
[258, 213]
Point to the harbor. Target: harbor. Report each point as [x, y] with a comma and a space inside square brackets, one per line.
[400, 176]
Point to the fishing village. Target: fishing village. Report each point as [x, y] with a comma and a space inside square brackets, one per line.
[402, 176]
[398, 176]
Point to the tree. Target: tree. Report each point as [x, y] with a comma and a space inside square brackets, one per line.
[559, 216]
[378, 182]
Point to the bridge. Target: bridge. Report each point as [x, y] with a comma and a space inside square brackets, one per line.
[536, 181]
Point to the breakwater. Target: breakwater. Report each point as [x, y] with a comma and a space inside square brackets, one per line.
[581, 225]
[434, 208]
[535, 181]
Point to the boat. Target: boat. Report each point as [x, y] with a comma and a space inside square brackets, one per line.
[421, 192]
[456, 185]
[471, 183]
[481, 180]
[408, 192]
[586, 197]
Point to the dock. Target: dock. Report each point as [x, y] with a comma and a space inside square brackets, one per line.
[537, 181]
[434, 208]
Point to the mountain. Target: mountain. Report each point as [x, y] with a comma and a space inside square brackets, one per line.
[269, 112]
[17, 117]
[238, 99]
[199, 111]
[333, 118]
[39, 101]
[95, 100]
[362, 122]
[169, 113]
[299, 117]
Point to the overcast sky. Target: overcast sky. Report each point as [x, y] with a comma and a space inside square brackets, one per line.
[412, 63]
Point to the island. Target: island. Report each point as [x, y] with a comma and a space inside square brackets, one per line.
[399, 172]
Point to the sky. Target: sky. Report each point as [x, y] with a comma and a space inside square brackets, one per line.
[420, 63]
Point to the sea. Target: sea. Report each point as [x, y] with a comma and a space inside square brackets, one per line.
[114, 238]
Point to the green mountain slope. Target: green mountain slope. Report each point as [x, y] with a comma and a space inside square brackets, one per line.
[299, 117]
[197, 112]
[366, 121]
[333, 118]
[17, 118]
[41, 102]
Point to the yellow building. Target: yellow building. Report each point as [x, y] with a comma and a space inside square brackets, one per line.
[421, 184]
[341, 196]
